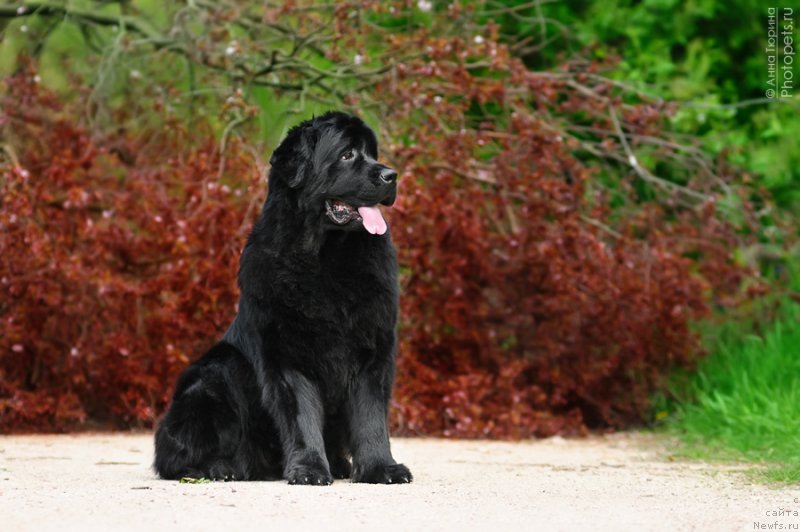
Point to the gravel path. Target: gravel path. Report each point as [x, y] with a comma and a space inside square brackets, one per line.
[621, 482]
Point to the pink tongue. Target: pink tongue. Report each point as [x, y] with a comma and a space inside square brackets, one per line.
[373, 220]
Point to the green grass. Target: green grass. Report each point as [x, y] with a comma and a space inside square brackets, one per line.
[744, 401]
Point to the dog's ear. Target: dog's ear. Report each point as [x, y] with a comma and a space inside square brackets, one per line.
[293, 160]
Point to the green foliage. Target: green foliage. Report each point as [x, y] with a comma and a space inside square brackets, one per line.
[192, 480]
[706, 55]
[744, 401]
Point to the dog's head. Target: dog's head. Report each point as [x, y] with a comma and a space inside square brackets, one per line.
[329, 163]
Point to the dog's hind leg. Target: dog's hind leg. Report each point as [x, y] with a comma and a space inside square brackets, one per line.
[201, 432]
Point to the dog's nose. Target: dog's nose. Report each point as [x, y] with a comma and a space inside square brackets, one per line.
[388, 175]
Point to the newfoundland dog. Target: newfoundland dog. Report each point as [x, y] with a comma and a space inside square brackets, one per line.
[300, 383]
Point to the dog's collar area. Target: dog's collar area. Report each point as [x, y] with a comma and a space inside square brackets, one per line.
[340, 212]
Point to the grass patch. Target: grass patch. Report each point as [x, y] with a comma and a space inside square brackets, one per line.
[743, 403]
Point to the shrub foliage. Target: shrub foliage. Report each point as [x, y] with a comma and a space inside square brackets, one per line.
[119, 265]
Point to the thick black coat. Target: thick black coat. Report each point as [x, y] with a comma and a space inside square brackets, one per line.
[300, 384]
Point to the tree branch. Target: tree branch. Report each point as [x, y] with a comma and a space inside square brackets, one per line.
[31, 8]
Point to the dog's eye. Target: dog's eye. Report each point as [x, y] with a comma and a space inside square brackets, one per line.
[346, 156]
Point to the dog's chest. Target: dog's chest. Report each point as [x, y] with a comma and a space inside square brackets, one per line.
[359, 299]
[339, 309]
[354, 313]
[359, 277]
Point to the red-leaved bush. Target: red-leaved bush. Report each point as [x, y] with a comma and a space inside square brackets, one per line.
[529, 305]
[524, 312]
[118, 267]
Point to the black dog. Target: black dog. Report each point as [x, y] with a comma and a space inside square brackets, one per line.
[301, 382]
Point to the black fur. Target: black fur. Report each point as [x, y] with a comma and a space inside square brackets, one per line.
[300, 383]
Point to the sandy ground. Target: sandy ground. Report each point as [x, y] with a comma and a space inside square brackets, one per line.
[622, 482]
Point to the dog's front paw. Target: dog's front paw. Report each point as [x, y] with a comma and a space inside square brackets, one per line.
[383, 474]
[311, 475]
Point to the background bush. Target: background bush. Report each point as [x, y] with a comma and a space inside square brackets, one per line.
[558, 231]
